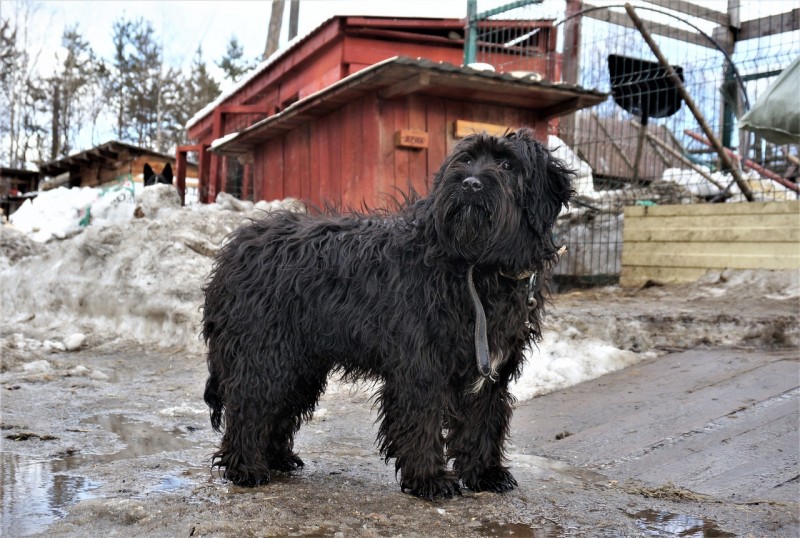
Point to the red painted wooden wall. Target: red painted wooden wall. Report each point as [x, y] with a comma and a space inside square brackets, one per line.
[352, 153]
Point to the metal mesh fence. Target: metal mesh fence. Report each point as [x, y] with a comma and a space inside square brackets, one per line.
[643, 145]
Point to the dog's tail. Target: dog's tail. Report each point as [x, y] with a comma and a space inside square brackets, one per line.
[213, 399]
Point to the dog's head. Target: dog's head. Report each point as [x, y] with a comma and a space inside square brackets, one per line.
[495, 201]
[151, 178]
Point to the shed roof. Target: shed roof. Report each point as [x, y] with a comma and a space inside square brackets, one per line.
[299, 40]
[18, 173]
[104, 154]
[401, 76]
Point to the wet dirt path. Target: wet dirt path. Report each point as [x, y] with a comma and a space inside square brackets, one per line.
[117, 442]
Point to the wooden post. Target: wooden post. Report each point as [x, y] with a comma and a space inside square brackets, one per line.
[726, 160]
[180, 172]
[247, 180]
[571, 64]
[204, 166]
[214, 160]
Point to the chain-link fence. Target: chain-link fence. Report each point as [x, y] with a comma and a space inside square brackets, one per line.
[643, 145]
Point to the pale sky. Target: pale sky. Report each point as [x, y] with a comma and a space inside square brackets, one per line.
[182, 25]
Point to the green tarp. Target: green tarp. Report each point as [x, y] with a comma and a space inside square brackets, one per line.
[776, 113]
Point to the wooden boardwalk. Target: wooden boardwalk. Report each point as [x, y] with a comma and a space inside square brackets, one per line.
[721, 422]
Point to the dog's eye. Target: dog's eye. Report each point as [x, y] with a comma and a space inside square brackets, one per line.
[505, 165]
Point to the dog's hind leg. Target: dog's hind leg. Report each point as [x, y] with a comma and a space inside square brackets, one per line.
[240, 452]
[477, 434]
[411, 432]
[295, 398]
[261, 418]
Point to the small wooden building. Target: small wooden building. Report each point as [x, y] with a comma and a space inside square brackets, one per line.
[16, 186]
[389, 127]
[104, 164]
[364, 106]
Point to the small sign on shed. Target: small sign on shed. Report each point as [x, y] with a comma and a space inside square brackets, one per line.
[405, 138]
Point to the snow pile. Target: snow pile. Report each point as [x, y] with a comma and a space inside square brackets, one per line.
[60, 213]
[763, 189]
[584, 181]
[566, 358]
[138, 279]
[748, 284]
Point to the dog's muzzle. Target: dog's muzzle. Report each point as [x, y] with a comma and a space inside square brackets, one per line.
[472, 184]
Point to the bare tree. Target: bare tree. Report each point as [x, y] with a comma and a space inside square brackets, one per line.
[22, 136]
[274, 32]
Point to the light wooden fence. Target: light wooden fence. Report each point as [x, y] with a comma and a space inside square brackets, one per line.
[680, 243]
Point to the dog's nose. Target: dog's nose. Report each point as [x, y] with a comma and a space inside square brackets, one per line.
[472, 184]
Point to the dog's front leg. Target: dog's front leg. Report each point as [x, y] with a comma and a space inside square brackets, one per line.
[477, 435]
[411, 432]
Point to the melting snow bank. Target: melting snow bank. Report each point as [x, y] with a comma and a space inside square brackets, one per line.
[139, 281]
[565, 359]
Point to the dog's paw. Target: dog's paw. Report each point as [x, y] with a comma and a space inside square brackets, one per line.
[440, 487]
[286, 463]
[246, 480]
[495, 479]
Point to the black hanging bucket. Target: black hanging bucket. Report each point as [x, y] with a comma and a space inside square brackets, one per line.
[644, 89]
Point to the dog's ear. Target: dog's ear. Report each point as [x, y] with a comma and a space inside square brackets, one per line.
[167, 172]
[548, 180]
[148, 173]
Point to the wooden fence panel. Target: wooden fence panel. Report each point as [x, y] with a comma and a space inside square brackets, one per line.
[680, 243]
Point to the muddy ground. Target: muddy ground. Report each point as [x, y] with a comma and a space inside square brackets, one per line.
[699, 439]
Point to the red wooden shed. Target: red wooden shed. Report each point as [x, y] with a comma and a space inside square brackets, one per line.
[363, 106]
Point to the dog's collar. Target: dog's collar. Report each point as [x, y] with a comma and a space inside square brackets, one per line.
[519, 276]
[531, 275]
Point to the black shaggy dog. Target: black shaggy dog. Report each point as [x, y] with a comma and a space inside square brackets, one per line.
[437, 301]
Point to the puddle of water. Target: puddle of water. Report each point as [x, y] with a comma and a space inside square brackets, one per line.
[520, 530]
[542, 466]
[34, 494]
[35, 491]
[656, 523]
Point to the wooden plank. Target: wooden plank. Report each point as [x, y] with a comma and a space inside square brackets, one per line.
[463, 128]
[765, 234]
[437, 136]
[334, 163]
[633, 276]
[712, 255]
[402, 167]
[771, 25]
[690, 8]
[719, 222]
[791, 207]
[418, 160]
[372, 184]
[316, 155]
[272, 177]
[621, 19]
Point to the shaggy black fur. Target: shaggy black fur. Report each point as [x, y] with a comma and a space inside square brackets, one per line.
[385, 296]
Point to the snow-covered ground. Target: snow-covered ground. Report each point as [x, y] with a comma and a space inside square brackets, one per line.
[138, 280]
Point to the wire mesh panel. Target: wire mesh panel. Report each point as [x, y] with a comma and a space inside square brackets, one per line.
[644, 145]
